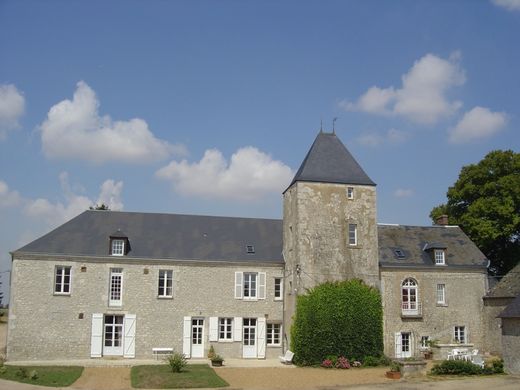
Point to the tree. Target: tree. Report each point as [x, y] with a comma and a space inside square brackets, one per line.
[485, 203]
[101, 206]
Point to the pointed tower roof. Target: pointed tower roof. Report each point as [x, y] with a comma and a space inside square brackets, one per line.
[329, 161]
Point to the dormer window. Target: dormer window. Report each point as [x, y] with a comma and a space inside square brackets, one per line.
[119, 244]
[118, 247]
[250, 249]
[350, 192]
[440, 258]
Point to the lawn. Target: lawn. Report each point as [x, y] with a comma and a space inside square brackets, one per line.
[45, 375]
[161, 377]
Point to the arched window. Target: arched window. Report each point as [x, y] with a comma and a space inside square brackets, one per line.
[409, 296]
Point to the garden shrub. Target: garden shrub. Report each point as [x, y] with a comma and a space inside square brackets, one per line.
[456, 367]
[339, 319]
[498, 366]
[177, 361]
[371, 361]
[342, 363]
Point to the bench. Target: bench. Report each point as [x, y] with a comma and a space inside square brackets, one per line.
[161, 352]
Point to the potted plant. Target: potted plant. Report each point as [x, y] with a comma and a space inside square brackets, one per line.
[395, 371]
[428, 353]
[211, 352]
[216, 361]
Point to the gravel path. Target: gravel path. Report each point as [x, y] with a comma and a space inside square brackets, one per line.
[104, 378]
[299, 378]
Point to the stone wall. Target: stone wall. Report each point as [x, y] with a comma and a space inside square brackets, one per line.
[511, 345]
[492, 325]
[464, 307]
[48, 327]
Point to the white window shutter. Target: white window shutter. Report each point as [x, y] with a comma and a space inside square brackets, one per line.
[129, 342]
[96, 338]
[261, 285]
[237, 329]
[398, 345]
[239, 276]
[261, 338]
[412, 344]
[186, 337]
[213, 328]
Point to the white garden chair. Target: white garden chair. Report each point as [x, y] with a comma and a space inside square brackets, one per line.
[287, 358]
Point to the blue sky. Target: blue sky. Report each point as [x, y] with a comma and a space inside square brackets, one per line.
[209, 107]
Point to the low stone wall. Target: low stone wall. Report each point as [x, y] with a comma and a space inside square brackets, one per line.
[412, 368]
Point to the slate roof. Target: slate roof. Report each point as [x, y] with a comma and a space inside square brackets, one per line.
[166, 236]
[512, 310]
[508, 287]
[214, 239]
[413, 240]
[329, 161]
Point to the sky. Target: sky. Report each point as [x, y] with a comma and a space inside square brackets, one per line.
[209, 107]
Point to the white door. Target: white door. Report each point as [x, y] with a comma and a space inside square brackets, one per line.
[113, 345]
[406, 345]
[197, 337]
[249, 349]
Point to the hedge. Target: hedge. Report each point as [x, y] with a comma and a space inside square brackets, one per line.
[337, 318]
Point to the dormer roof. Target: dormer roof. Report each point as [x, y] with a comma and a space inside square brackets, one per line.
[329, 161]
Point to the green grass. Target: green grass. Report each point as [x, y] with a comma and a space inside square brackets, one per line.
[46, 375]
[161, 377]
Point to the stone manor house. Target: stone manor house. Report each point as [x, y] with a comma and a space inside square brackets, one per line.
[133, 285]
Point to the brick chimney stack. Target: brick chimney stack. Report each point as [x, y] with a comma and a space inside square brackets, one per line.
[442, 220]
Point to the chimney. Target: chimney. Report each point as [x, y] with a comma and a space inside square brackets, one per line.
[442, 220]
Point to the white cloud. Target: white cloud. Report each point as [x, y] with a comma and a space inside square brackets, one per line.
[476, 124]
[12, 106]
[8, 198]
[422, 96]
[510, 5]
[56, 213]
[374, 139]
[250, 175]
[403, 193]
[74, 130]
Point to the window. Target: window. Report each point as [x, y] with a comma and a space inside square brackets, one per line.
[116, 287]
[441, 294]
[118, 247]
[399, 253]
[165, 284]
[352, 234]
[439, 257]
[278, 293]
[460, 334]
[62, 280]
[225, 329]
[250, 249]
[273, 333]
[409, 298]
[350, 192]
[425, 342]
[250, 285]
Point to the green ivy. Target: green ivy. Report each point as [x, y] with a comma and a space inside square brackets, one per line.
[337, 318]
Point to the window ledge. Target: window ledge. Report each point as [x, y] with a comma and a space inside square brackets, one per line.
[442, 304]
[274, 345]
[278, 299]
[58, 294]
[225, 341]
[164, 297]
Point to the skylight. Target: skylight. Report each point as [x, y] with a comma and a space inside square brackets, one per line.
[399, 253]
[250, 249]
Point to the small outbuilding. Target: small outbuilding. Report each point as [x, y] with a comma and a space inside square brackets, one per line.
[511, 336]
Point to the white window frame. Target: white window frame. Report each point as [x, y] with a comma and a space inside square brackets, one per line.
[273, 330]
[225, 327]
[441, 294]
[114, 274]
[440, 257]
[118, 247]
[165, 275]
[352, 239]
[350, 192]
[278, 289]
[59, 288]
[250, 279]
[460, 334]
[424, 342]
